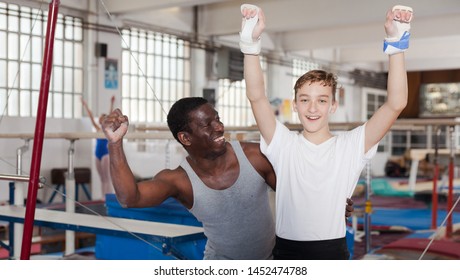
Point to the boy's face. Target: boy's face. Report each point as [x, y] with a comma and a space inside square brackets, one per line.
[313, 105]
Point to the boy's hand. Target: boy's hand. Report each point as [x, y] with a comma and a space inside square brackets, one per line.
[397, 27]
[252, 26]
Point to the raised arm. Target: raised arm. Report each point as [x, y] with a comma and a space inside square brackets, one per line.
[90, 114]
[397, 27]
[253, 24]
[129, 192]
[112, 102]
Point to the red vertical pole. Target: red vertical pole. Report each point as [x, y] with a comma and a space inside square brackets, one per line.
[39, 130]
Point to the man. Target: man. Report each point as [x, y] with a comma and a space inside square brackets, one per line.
[224, 185]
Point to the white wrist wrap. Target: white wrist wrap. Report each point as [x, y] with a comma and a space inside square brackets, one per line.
[250, 47]
[247, 43]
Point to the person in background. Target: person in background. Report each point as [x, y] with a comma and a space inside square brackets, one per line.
[101, 152]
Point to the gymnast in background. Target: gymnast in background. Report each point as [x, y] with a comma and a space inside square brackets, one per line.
[101, 152]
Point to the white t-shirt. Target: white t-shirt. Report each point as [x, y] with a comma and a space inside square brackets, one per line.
[314, 181]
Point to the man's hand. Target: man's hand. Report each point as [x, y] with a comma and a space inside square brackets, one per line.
[115, 126]
[349, 208]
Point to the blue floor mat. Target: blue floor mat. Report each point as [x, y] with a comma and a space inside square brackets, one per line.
[413, 219]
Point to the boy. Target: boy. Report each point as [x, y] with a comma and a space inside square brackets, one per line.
[316, 171]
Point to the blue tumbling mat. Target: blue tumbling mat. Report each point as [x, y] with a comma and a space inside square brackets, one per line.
[412, 219]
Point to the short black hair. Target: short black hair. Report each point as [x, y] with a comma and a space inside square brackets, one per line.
[178, 116]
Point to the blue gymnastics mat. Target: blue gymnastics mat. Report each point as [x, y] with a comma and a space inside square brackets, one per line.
[412, 219]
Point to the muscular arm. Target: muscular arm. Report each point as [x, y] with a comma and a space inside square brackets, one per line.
[260, 163]
[129, 192]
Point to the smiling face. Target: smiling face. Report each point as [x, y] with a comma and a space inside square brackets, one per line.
[205, 133]
[313, 104]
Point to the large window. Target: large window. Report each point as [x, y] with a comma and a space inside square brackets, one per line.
[22, 39]
[232, 104]
[155, 73]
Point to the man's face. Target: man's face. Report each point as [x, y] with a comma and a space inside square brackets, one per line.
[207, 131]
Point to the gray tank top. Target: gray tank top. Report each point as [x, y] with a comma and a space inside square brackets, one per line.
[237, 221]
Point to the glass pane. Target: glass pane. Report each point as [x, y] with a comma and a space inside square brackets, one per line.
[187, 70]
[150, 111]
[142, 88]
[134, 108]
[13, 103]
[157, 72]
[125, 61]
[68, 112]
[142, 64]
[35, 96]
[78, 55]
[180, 70]
[13, 22]
[12, 74]
[68, 50]
[142, 43]
[78, 81]
[78, 108]
[57, 105]
[3, 78]
[134, 42]
[3, 21]
[25, 82]
[69, 28]
[13, 46]
[166, 73]
[59, 31]
[166, 47]
[125, 86]
[58, 55]
[68, 80]
[36, 76]
[133, 63]
[25, 48]
[25, 103]
[25, 25]
[38, 26]
[57, 78]
[173, 68]
[3, 98]
[3, 45]
[125, 107]
[173, 90]
[78, 30]
[37, 49]
[150, 65]
[133, 90]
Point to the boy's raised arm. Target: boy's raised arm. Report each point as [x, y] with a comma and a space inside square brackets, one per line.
[253, 23]
[397, 26]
